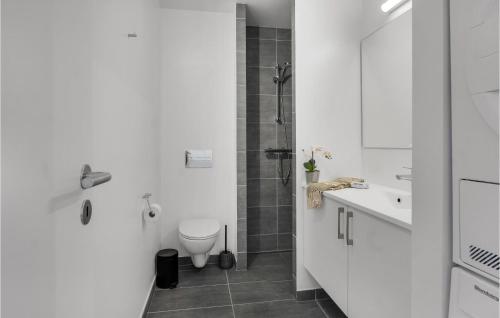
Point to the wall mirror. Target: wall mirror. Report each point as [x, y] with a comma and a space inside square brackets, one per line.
[386, 64]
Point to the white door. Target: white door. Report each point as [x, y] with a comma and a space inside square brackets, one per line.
[325, 252]
[379, 268]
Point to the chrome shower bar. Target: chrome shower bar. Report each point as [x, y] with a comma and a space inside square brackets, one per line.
[280, 79]
[89, 179]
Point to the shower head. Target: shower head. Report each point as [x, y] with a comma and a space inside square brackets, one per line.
[285, 70]
[286, 65]
[281, 70]
[284, 76]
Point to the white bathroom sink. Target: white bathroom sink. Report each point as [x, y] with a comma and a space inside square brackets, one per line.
[390, 204]
[399, 199]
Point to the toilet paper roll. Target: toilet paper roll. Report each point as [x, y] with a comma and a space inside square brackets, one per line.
[153, 215]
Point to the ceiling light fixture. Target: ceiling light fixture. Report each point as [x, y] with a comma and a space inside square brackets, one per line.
[390, 5]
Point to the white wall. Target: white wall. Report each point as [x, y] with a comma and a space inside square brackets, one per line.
[0, 165]
[381, 165]
[198, 112]
[431, 225]
[328, 98]
[76, 90]
[374, 18]
[26, 228]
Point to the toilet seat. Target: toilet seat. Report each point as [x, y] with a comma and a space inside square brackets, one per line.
[199, 229]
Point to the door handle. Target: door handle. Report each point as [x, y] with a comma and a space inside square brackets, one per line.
[349, 240]
[340, 235]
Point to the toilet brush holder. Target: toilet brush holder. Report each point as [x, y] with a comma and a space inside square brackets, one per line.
[226, 258]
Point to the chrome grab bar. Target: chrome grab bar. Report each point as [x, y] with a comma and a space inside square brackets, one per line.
[349, 241]
[340, 236]
[89, 179]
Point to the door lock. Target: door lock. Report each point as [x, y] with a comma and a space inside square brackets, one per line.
[86, 214]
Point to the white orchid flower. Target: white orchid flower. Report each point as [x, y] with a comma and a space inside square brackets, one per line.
[318, 148]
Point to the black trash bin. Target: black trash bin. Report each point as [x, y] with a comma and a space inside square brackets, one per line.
[167, 268]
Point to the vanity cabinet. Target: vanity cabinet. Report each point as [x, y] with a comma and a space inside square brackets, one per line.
[379, 268]
[360, 260]
[325, 252]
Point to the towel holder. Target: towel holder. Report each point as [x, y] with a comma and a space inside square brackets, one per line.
[89, 179]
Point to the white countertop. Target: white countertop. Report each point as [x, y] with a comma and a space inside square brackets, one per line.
[379, 201]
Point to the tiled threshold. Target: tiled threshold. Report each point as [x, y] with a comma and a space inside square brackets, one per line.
[266, 289]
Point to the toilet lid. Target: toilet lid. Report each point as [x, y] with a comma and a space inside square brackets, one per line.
[199, 228]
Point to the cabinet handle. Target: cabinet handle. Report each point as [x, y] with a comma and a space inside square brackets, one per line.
[349, 216]
[340, 235]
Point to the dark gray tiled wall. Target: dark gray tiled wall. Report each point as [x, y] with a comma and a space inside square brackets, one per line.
[241, 124]
[269, 205]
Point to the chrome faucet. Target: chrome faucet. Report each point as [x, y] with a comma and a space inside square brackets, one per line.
[407, 177]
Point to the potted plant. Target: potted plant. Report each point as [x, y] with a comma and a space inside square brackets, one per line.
[312, 172]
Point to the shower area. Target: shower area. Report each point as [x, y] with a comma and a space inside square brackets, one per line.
[265, 141]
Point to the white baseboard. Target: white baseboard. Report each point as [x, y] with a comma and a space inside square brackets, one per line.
[146, 302]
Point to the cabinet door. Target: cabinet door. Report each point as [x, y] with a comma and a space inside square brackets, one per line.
[379, 268]
[325, 253]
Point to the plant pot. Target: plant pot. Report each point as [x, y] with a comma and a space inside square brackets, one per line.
[312, 176]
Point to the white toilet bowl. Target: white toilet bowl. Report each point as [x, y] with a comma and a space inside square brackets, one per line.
[198, 237]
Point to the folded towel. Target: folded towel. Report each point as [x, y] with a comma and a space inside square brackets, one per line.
[315, 190]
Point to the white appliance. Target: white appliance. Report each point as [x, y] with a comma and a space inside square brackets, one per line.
[475, 157]
[472, 296]
[478, 228]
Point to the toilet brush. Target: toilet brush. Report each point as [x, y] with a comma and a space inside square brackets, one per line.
[226, 258]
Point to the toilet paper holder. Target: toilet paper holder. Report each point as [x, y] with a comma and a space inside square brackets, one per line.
[146, 197]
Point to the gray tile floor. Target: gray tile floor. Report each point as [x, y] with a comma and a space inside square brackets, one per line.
[264, 290]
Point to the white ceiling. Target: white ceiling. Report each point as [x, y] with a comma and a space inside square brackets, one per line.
[264, 13]
[199, 5]
[269, 13]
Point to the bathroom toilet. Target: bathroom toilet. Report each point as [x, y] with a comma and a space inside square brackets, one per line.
[198, 237]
